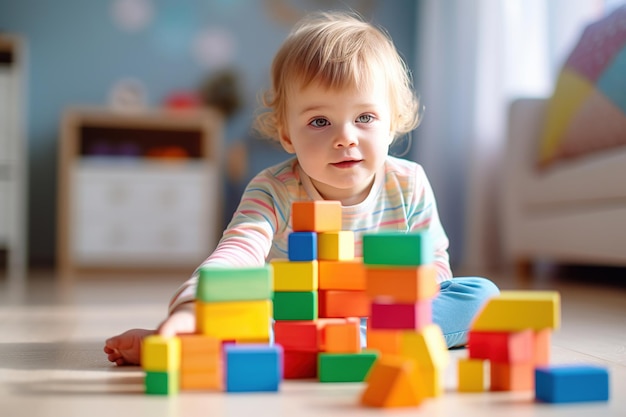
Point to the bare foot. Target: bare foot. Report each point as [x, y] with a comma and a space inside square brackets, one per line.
[125, 349]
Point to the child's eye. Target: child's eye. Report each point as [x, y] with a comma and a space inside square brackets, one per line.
[319, 122]
[365, 118]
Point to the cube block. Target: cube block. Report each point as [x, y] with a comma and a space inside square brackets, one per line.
[302, 246]
[316, 216]
[160, 354]
[336, 246]
[253, 368]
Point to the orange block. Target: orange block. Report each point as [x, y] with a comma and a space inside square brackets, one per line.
[342, 337]
[316, 216]
[199, 352]
[342, 275]
[402, 285]
[387, 342]
[512, 377]
[389, 384]
[338, 303]
[542, 348]
[202, 380]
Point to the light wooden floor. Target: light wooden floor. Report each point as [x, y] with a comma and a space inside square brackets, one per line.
[52, 364]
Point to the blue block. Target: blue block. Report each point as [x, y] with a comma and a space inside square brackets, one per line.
[302, 246]
[253, 368]
[571, 383]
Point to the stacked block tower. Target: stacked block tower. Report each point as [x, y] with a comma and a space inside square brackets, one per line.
[319, 297]
[511, 336]
[401, 283]
[230, 349]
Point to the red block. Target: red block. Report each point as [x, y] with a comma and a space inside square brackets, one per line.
[297, 335]
[299, 365]
[502, 347]
[411, 316]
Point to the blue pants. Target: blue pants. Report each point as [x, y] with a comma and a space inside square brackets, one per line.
[456, 305]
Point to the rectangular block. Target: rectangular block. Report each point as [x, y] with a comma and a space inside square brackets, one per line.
[253, 368]
[398, 316]
[160, 354]
[402, 285]
[471, 375]
[300, 365]
[342, 275]
[338, 303]
[520, 310]
[301, 305]
[335, 246]
[297, 335]
[295, 276]
[398, 249]
[191, 380]
[302, 246]
[387, 342]
[345, 367]
[316, 216]
[571, 383]
[342, 337]
[507, 347]
[199, 353]
[234, 320]
[162, 383]
[216, 284]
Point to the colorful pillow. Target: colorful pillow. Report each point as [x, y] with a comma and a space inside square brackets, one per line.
[587, 111]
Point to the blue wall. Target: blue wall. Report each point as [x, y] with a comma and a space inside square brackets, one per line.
[76, 53]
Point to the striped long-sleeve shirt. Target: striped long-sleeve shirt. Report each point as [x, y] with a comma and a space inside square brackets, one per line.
[400, 199]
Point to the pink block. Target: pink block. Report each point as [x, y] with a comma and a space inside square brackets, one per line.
[408, 316]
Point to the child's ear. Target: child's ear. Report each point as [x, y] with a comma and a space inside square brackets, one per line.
[285, 141]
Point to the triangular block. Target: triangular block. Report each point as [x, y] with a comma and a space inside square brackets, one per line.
[389, 384]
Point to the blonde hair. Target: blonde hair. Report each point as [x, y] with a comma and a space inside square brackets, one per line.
[337, 50]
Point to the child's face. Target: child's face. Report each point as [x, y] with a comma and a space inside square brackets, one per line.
[341, 137]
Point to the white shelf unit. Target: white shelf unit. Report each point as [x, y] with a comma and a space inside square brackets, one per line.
[124, 203]
[13, 157]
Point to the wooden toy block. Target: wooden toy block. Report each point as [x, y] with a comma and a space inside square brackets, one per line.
[316, 216]
[402, 285]
[234, 320]
[398, 249]
[302, 246]
[253, 368]
[427, 347]
[160, 354]
[506, 347]
[342, 275]
[202, 380]
[300, 365]
[295, 276]
[571, 383]
[413, 316]
[345, 367]
[471, 375]
[520, 310]
[336, 246]
[387, 342]
[199, 353]
[543, 347]
[216, 284]
[338, 303]
[389, 384]
[297, 335]
[512, 377]
[301, 305]
[324, 322]
[162, 383]
[342, 337]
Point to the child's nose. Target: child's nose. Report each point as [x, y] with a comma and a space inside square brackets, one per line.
[346, 137]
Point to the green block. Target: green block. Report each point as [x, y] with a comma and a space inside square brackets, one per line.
[398, 249]
[234, 284]
[296, 305]
[345, 367]
[162, 383]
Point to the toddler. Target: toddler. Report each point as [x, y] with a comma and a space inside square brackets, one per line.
[340, 94]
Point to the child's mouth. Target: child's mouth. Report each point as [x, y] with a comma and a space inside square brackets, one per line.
[346, 164]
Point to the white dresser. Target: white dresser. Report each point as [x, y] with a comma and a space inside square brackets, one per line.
[138, 190]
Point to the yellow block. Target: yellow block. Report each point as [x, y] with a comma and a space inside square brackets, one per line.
[335, 246]
[471, 375]
[160, 354]
[316, 216]
[295, 276]
[234, 320]
[427, 347]
[520, 310]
